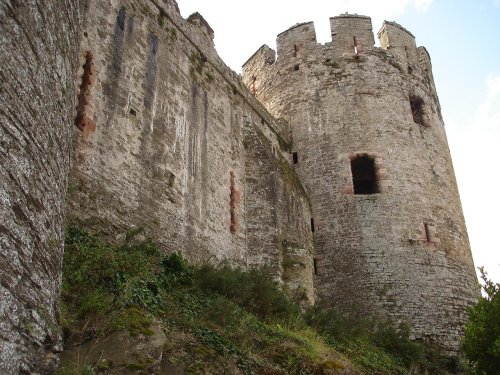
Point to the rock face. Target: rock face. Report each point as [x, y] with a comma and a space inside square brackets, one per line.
[369, 145]
[38, 49]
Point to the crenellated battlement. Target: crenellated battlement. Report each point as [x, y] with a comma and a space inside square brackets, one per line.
[352, 38]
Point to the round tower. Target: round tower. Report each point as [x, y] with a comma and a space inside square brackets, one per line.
[369, 145]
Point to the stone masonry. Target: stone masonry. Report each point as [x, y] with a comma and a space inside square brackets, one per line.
[38, 48]
[369, 145]
[170, 140]
[328, 163]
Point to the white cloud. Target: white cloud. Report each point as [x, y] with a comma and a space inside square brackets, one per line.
[422, 5]
[474, 145]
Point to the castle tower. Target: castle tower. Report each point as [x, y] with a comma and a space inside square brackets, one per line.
[369, 145]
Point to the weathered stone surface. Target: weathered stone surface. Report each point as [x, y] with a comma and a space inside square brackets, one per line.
[403, 250]
[118, 352]
[38, 49]
[166, 137]
[179, 145]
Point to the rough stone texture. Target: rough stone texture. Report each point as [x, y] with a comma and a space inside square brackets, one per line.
[168, 138]
[38, 49]
[402, 251]
[179, 145]
[118, 352]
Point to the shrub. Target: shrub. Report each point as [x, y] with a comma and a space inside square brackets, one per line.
[481, 343]
[373, 332]
[254, 290]
[102, 281]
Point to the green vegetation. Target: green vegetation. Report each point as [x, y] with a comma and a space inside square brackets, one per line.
[481, 342]
[198, 61]
[216, 319]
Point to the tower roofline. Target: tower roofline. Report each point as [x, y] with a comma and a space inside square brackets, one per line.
[264, 46]
[395, 24]
[295, 26]
[351, 15]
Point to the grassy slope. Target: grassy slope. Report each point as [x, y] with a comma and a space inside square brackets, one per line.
[216, 320]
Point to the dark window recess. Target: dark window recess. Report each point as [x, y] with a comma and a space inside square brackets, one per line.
[312, 225]
[364, 175]
[417, 110]
[315, 265]
[296, 67]
[120, 19]
[295, 157]
[82, 121]
[234, 204]
[427, 232]
[295, 49]
[132, 111]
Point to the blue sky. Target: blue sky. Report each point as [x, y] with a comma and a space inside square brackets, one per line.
[463, 39]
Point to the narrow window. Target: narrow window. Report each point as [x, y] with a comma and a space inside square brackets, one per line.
[296, 67]
[234, 204]
[427, 232]
[417, 110]
[295, 157]
[315, 265]
[82, 121]
[364, 175]
[406, 51]
[295, 50]
[120, 19]
[355, 45]
[312, 225]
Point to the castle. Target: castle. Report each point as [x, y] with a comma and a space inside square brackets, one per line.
[327, 162]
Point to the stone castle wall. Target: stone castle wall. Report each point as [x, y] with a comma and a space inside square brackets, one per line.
[403, 249]
[38, 48]
[170, 139]
[167, 138]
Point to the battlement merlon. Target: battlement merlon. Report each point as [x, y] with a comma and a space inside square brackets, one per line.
[198, 20]
[265, 55]
[293, 42]
[399, 41]
[352, 32]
